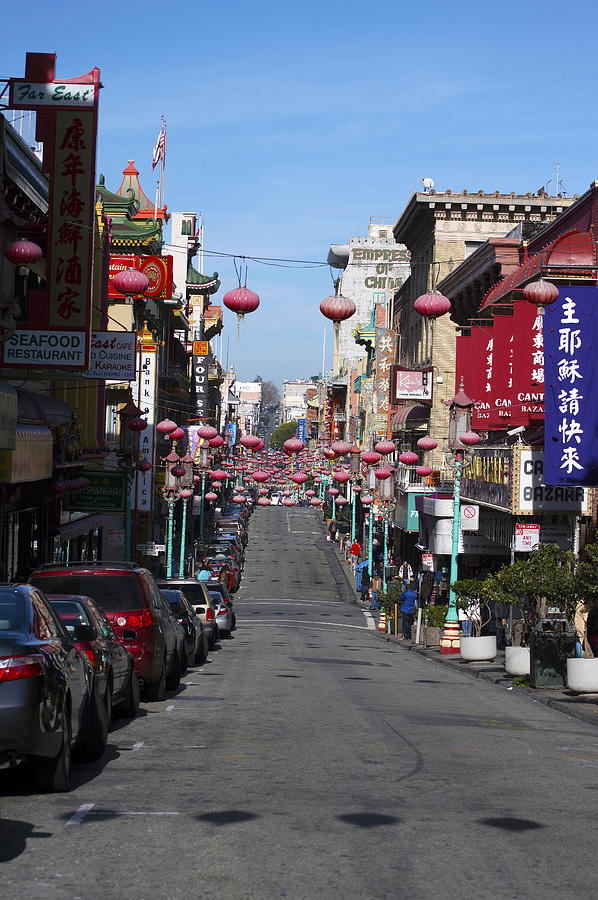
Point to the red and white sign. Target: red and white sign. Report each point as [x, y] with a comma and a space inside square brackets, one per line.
[527, 536]
[157, 268]
[469, 517]
[428, 562]
[411, 384]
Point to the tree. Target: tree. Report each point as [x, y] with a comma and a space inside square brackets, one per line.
[283, 433]
[270, 393]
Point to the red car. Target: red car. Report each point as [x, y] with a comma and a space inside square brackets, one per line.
[137, 611]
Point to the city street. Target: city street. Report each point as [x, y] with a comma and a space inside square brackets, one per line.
[311, 758]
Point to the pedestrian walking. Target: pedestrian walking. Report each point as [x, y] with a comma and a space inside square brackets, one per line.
[355, 551]
[406, 573]
[407, 605]
[373, 599]
[365, 584]
[332, 530]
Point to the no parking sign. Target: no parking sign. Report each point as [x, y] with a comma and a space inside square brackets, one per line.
[469, 519]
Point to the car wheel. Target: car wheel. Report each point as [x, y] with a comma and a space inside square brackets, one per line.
[95, 736]
[201, 652]
[129, 709]
[54, 775]
[174, 679]
[184, 662]
[234, 622]
[156, 690]
[108, 700]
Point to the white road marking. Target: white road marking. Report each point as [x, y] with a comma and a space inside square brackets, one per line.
[289, 602]
[288, 522]
[138, 745]
[170, 707]
[81, 813]
[302, 624]
[370, 621]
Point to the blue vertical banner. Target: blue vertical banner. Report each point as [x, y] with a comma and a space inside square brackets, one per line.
[302, 429]
[571, 382]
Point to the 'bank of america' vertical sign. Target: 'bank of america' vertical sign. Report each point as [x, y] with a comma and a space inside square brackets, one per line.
[571, 427]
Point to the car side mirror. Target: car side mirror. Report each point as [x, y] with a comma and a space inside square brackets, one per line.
[84, 633]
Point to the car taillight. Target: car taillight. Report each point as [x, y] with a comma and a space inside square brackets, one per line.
[209, 614]
[222, 611]
[135, 620]
[91, 655]
[13, 668]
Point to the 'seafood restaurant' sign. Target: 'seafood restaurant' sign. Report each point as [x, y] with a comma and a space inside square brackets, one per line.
[67, 113]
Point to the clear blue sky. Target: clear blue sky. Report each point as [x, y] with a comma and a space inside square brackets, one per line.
[289, 125]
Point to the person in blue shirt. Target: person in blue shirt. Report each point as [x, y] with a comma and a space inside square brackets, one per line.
[407, 605]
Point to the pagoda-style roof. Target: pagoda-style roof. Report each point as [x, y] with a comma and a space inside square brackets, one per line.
[212, 321]
[128, 235]
[201, 284]
[365, 335]
[131, 187]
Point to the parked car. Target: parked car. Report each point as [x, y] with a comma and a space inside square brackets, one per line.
[113, 665]
[136, 609]
[219, 568]
[48, 704]
[233, 525]
[223, 614]
[227, 544]
[201, 602]
[196, 639]
[221, 589]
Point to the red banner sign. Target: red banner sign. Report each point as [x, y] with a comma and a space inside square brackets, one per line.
[157, 268]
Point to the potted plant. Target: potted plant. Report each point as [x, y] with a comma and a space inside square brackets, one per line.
[582, 672]
[433, 617]
[473, 596]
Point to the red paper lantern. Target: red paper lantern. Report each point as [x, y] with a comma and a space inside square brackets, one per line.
[185, 493]
[382, 473]
[541, 293]
[178, 471]
[144, 466]
[408, 458]
[23, 252]
[384, 447]
[423, 471]
[166, 426]
[315, 501]
[432, 304]
[329, 453]
[340, 476]
[250, 441]
[371, 457]
[288, 501]
[341, 448]
[299, 478]
[216, 441]
[427, 443]
[263, 501]
[137, 424]
[206, 432]
[176, 435]
[341, 501]
[337, 308]
[470, 439]
[211, 496]
[367, 500]
[293, 445]
[260, 477]
[130, 282]
[241, 301]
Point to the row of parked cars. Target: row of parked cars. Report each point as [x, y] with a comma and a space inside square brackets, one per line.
[82, 642]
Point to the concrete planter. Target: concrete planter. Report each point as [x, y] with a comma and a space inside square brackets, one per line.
[517, 660]
[582, 675]
[432, 635]
[477, 649]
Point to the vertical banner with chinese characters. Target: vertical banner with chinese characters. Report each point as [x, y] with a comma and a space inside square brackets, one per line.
[386, 344]
[57, 334]
[144, 395]
[571, 426]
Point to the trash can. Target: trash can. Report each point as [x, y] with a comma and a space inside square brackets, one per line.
[551, 643]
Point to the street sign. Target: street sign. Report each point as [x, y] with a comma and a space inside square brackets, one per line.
[428, 562]
[527, 536]
[151, 548]
[201, 348]
[470, 517]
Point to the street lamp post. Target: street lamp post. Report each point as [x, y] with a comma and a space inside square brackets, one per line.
[131, 424]
[185, 493]
[174, 472]
[460, 436]
[203, 465]
[355, 472]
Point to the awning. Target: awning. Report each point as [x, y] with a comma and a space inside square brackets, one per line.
[572, 255]
[31, 460]
[42, 409]
[410, 417]
[82, 526]
[8, 416]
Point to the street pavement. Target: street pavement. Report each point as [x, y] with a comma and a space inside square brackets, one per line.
[310, 758]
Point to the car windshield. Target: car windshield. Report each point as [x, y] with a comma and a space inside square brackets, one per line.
[71, 613]
[112, 592]
[192, 592]
[12, 612]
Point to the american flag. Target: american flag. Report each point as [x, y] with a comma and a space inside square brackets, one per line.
[160, 147]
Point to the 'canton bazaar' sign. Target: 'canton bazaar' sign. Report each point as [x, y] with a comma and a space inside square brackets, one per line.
[571, 342]
[533, 491]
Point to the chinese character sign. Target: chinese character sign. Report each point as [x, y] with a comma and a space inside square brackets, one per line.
[570, 345]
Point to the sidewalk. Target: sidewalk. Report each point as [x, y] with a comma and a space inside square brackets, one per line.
[578, 706]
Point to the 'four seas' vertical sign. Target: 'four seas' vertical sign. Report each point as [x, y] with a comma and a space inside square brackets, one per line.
[571, 381]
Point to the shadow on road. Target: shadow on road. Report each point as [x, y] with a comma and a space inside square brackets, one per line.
[13, 838]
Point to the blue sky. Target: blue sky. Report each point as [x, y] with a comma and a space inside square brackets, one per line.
[289, 125]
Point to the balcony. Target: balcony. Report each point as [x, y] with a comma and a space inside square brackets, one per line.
[212, 322]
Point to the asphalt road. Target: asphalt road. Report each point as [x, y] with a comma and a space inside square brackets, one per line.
[311, 759]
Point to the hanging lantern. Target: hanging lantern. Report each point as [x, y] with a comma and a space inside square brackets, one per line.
[260, 477]
[238, 498]
[250, 441]
[384, 447]
[382, 473]
[299, 478]
[470, 438]
[371, 457]
[130, 282]
[23, 252]
[144, 466]
[216, 485]
[178, 471]
[288, 501]
[329, 453]
[293, 445]
[315, 501]
[334, 492]
[176, 435]
[241, 301]
[424, 471]
[357, 489]
[263, 501]
[427, 443]
[185, 493]
[310, 493]
[341, 448]
[166, 426]
[432, 304]
[367, 500]
[541, 293]
[206, 432]
[337, 308]
[341, 476]
[137, 424]
[408, 458]
[211, 496]
[216, 441]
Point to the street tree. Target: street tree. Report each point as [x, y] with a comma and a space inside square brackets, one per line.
[283, 433]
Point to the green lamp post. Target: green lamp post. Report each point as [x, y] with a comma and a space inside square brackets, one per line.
[185, 493]
[460, 437]
[172, 476]
[131, 426]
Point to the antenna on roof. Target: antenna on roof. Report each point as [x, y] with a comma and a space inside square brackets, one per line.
[427, 184]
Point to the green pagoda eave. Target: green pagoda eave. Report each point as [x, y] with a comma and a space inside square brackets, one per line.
[365, 336]
[201, 284]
